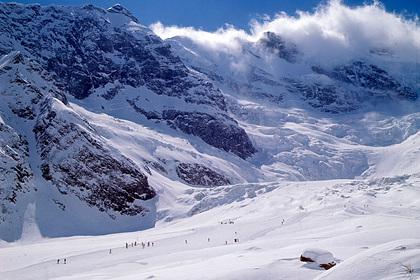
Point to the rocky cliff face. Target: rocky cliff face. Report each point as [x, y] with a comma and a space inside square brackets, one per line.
[90, 51]
[45, 137]
[200, 175]
[76, 161]
[15, 176]
[277, 45]
[368, 76]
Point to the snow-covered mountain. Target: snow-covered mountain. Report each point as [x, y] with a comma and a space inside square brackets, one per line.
[105, 127]
[55, 58]
[301, 133]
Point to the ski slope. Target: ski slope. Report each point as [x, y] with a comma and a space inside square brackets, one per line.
[371, 226]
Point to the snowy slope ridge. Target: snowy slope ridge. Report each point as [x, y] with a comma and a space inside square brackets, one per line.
[206, 137]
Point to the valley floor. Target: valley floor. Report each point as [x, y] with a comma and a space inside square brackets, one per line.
[371, 227]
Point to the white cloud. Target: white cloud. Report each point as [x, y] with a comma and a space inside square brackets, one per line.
[222, 39]
[332, 30]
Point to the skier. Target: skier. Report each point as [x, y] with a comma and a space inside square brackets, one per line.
[186, 241]
[58, 261]
[126, 245]
[135, 243]
[110, 251]
[208, 239]
[153, 244]
[65, 261]
[148, 243]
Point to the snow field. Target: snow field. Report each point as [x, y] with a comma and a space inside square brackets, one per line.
[355, 229]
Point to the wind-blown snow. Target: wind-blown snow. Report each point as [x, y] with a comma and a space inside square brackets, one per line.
[333, 30]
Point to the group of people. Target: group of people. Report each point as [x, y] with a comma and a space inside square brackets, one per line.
[143, 244]
[235, 240]
[132, 244]
[63, 262]
[152, 244]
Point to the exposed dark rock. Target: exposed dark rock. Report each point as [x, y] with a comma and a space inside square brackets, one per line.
[327, 266]
[25, 112]
[305, 259]
[200, 175]
[368, 76]
[222, 132]
[112, 92]
[75, 162]
[84, 51]
[46, 174]
[157, 166]
[15, 172]
[275, 43]
[215, 132]
[327, 98]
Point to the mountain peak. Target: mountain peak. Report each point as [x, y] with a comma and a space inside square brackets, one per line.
[120, 9]
[277, 44]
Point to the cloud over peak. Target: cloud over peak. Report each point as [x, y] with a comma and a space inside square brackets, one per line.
[332, 30]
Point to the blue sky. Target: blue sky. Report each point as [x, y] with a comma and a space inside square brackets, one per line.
[211, 14]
